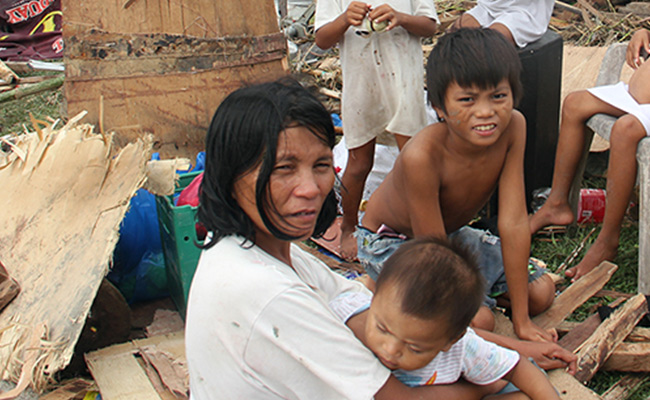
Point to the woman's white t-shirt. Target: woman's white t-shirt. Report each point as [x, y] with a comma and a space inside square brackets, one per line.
[258, 329]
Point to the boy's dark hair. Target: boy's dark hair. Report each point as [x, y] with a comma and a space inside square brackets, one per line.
[435, 278]
[244, 134]
[472, 56]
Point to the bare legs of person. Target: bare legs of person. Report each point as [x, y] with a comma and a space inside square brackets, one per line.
[625, 137]
[360, 162]
[626, 133]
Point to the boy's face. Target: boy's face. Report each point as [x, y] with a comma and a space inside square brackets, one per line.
[478, 116]
[402, 341]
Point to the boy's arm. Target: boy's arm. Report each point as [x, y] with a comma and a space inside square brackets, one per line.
[546, 355]
[532, 381]
[514, 231]
[422, 192]
[329, 34]
[418, 25]
[640, 41]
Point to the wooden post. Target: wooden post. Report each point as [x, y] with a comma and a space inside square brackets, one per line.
[609, 334]
[575, 295]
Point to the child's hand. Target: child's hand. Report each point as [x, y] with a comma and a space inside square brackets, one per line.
[528, 330]
[640, 41]
[355, 12]
[549, 355]
[386, 13]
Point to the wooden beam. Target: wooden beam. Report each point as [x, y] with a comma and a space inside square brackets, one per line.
[575, 295]
[608, 335]
[573, 340]
[569, 388]
[629, 357]
[624, 387]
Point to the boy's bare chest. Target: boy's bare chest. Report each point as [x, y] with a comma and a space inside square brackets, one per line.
[465, 187]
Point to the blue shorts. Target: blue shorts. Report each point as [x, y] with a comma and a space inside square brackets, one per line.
[375, 248]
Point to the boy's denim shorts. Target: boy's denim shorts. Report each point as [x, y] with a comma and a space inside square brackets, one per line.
[375, 248]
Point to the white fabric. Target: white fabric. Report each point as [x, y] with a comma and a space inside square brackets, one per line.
[618, 96]
[383, 75]
[258, 329]
[472, 358]
[527, 20]
[349, 304]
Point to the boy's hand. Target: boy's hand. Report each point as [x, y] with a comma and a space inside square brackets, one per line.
[355, 12]
[549, 355]
[386, 13]
[528, 330]
[640, 41]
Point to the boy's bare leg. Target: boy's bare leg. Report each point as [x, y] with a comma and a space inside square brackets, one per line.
[484, 319]
[359, 164]
[621, 177]
[578, 107]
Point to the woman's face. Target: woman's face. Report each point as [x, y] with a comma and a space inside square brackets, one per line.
[302, 177]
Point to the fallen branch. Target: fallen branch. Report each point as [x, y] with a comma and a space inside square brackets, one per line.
[20, 92]
[574, 253]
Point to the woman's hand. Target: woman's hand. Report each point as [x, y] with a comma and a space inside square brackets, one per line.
[640, 41]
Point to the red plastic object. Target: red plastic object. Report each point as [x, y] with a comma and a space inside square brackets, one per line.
[591, 207]
[190, 196]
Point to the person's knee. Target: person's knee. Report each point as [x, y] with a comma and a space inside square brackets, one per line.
[484, 319]
[541, 293]
[627, 131]
[573, 107]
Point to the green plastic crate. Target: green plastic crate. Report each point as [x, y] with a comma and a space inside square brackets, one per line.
[178, 237]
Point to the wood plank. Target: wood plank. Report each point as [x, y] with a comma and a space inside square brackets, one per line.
[569, 388]
[73, 191]
[622, 389]
[576, 294]
[573, 340]
[608, 335]
[163, 350]
[120, 377]
[629, 357]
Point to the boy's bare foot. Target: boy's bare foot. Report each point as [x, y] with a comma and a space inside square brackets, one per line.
[551, 214]
[348, 245]
[597, 253]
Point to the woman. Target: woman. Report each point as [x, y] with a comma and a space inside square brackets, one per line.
[258, 323]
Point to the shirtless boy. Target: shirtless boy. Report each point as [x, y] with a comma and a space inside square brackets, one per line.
[449, 170]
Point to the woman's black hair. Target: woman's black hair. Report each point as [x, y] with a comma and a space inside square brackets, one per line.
[243, 135]
[472, 56]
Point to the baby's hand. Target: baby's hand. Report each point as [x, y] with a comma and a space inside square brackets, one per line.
[355, 12]
[386, 13]
[640, 41]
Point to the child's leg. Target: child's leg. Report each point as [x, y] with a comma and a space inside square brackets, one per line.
[359, 164]
[541, 293]
[621, 177]
[578, 107]
[484, 319]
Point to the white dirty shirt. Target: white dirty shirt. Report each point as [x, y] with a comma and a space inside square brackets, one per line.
[383, 75]
[258, 329]
[527, 20]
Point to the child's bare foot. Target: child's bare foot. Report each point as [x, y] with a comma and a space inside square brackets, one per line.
[348, 245]
[597, 253]
[551, 214]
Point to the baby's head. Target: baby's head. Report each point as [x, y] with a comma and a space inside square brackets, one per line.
[426, 295]
[479, 57]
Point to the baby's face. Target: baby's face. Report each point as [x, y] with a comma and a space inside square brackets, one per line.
[477, 115]
[403, 341]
